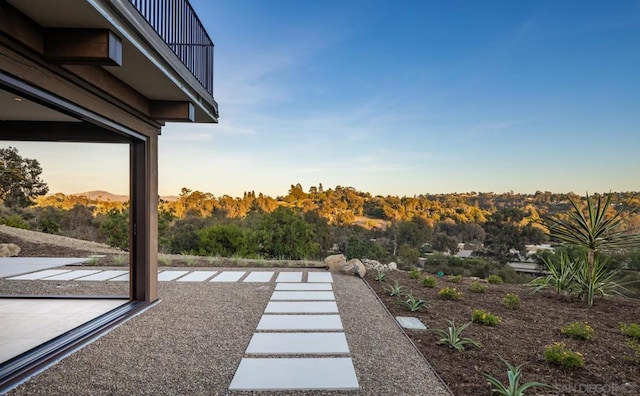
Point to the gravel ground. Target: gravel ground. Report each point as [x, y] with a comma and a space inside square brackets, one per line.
[192, 343]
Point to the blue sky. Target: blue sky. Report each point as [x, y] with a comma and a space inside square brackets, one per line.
[405, 98]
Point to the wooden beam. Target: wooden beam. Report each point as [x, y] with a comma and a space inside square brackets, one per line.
[172, 111]
[53, 131]
[82, 46]
[18, 26]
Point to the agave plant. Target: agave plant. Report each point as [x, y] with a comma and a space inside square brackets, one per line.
[451, 336]
[414, 304]
[394, 290]
[514, 374]
[380, 275]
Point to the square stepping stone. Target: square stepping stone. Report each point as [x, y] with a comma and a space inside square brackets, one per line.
[319, 277]
[103, 275]
[228, 276]
[295, 374]
[259, 277]
[197, 276]
[289, 277]
[298, 344]
[72, 275]
[121, 278]
[411, 323]
[304, 286]
[166, 276]
[303, 296]
[301, 307]
[39, 275]
[300, 322]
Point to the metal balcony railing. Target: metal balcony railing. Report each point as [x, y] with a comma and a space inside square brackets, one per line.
[179, 26]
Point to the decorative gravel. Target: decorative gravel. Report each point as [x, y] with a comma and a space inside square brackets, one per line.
[193, 340]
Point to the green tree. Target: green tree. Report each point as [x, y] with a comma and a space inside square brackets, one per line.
[20, 180]
[115, 228]
[283, 233]
[409, 256]
[225, 240]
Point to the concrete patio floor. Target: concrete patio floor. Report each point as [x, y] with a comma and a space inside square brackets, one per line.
[194, 341]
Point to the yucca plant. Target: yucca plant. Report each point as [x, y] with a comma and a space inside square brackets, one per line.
[452, 336]
[514, 374]
[598, 280]
[596, 231]
[559, 275]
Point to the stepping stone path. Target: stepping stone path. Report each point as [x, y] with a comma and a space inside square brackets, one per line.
[301, 319]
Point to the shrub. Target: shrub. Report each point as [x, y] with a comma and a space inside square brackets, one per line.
[428, 281]
[631, 330]
[511, 301]
[558, 354]
[455, 278]
[414, 304]
[452, 336]
[578, 330]
[477, 287]
[485, 317]
[495, 279]
[449, 293]
[514, 373]
[414, 273]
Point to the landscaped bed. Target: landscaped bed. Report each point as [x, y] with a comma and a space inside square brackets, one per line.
[610, 366]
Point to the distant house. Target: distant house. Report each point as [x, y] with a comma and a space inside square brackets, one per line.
[104, 71]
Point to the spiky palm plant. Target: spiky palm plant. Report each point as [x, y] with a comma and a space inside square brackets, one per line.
[514, 375]
[596, 231]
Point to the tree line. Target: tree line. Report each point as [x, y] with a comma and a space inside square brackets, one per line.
[303, 224]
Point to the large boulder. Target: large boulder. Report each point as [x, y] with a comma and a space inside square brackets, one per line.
[335, 262]
[354, 267]
[9, 250]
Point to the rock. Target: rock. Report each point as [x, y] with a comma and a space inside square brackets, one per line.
[372, 264]
[354, 267]
[335, 262]
[392, 266]
[9, 250]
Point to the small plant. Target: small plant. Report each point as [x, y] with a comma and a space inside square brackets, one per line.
[190, 261]
[558, 354]
[118, 259]
[477, 287]
[394, 290]
[414, 273]
[414, 304]
[380, 275]
[631, 330]
[578, 330]
[164, 260]
[485, 317]
[455, 278]
[449, 293]
[428, 281]
[495, 279]
[514, 374]
[635, 347]
[451, 336]
[511, 301]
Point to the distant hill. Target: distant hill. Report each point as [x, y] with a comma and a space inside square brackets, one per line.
[107, 196]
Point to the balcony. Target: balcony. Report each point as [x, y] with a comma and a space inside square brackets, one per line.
[177, 24]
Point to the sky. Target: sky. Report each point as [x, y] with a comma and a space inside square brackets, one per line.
[400, 98]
